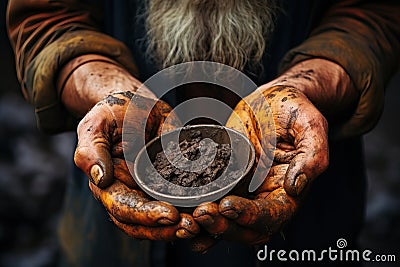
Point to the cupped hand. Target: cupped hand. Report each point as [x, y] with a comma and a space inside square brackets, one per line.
[301, 155]
[100, 154]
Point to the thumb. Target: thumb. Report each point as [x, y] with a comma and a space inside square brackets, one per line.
[92, 154]
[297, 177]
[311, 160]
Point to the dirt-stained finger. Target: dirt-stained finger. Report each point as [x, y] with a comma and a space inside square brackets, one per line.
[188, 227]
[132, 206]
[312, 156]
[262, 214]
[208, 216]
[92, 154]
[244, 211]
[165, 233]
[218, 226]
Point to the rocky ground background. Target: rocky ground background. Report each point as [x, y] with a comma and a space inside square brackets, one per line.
[34, 167]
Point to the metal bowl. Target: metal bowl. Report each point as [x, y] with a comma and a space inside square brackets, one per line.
[161, 189]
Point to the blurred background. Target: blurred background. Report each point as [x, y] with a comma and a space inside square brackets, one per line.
[34, 167]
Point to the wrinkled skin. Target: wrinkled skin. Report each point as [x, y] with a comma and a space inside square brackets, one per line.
[100, 155]
[301, 155]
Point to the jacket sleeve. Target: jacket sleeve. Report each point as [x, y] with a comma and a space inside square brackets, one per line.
[364, 38]
[45, 35]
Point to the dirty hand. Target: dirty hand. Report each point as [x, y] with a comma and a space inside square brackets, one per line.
[100, 150]
[300, 156]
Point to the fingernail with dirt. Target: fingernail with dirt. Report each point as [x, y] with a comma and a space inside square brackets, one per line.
[226, 209]
[96, 173]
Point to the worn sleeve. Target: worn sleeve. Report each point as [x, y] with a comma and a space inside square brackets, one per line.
[45, 35]
[364, 38]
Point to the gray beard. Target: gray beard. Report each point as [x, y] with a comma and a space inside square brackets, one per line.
[232, 32]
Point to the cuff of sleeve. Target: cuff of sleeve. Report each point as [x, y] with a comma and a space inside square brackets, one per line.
[42, 74]
[335, 47]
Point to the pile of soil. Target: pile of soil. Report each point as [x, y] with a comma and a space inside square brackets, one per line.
[190, 149]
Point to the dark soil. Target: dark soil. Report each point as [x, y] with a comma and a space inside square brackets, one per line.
[190, 149]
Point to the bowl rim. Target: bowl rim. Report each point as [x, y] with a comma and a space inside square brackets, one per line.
[153, 193]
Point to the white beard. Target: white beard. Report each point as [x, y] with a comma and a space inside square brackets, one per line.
[232, 32]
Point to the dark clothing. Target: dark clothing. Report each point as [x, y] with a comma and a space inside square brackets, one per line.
[361, 36]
